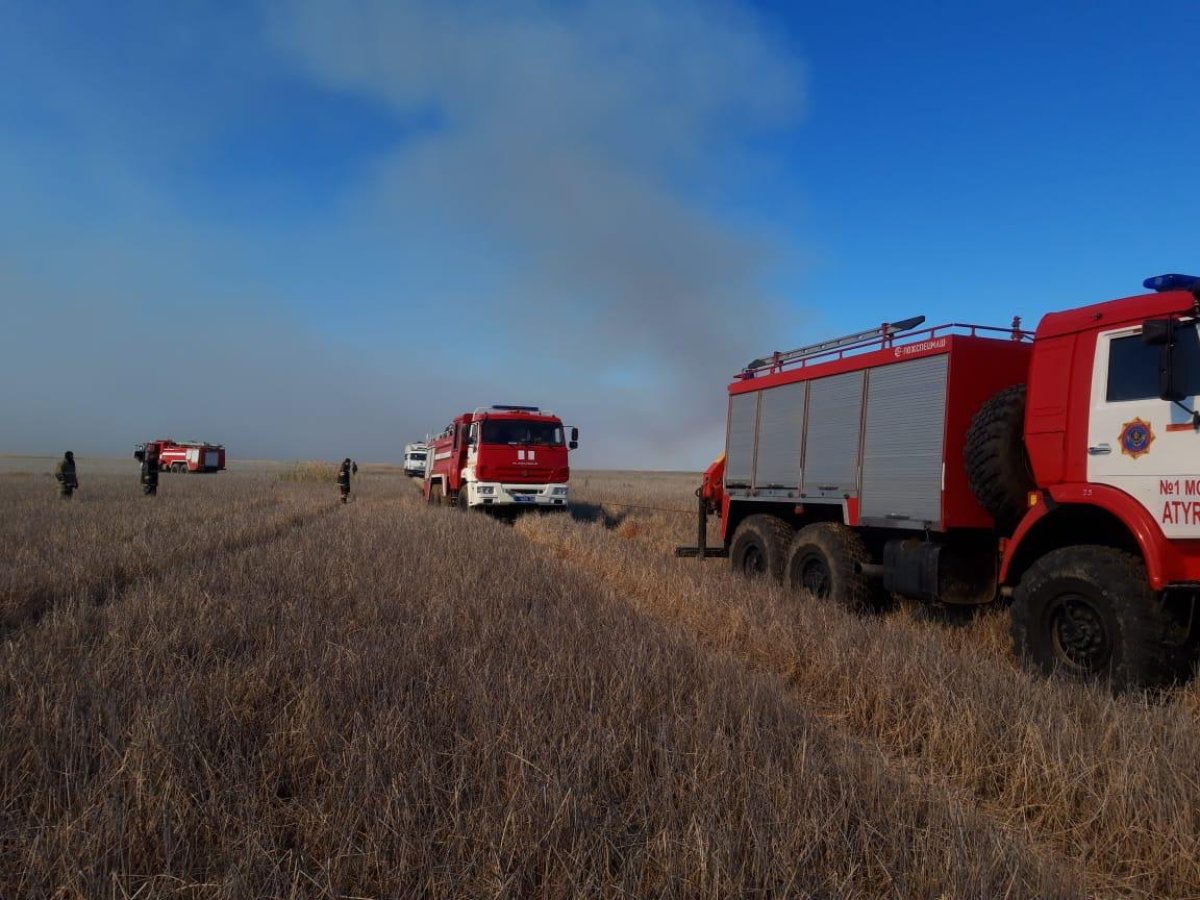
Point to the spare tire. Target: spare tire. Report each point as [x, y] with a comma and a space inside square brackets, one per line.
[997, 464]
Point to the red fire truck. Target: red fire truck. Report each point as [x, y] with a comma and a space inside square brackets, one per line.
[501, 458]
[187, 456]
[963, 464]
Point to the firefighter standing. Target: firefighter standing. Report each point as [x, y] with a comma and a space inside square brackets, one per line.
[343, 478]
[150, 470]
[64, 474]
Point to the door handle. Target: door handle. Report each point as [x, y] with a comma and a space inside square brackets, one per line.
[1099, 450]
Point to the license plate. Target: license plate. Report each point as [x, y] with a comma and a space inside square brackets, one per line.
[522, 498]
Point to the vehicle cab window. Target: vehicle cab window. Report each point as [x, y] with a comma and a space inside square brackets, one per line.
[1133, 366]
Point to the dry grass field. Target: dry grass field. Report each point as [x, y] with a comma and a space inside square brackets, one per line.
[243, 688]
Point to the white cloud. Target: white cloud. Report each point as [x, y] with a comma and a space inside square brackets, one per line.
[589, 146]
[555, 229]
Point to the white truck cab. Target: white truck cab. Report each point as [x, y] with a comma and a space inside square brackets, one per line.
[416, 457]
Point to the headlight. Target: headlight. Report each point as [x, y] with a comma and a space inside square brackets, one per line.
[484, 489]
[560, 492]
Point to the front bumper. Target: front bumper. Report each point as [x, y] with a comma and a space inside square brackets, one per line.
[533, 496]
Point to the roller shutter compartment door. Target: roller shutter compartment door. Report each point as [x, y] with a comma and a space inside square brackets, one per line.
[902, 449]
[831, 438]
[739, 446]
[780, 427]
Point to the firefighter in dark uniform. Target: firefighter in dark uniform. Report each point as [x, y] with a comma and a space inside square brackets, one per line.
[150, 469]
[64, 474]
[343, 478]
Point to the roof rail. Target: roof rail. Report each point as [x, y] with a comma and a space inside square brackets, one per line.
[875, 338]
[886, 331]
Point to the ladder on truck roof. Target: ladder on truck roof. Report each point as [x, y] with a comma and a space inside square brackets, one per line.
[885, 332]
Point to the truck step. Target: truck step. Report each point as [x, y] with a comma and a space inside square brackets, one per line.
[693, 552]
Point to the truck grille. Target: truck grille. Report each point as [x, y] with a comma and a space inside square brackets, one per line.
[521, 475]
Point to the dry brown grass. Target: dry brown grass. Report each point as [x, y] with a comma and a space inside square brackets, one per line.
[1109, 783]
[311, 472]
[109, 534]
[388, 700]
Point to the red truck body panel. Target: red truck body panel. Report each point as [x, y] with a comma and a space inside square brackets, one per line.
[975, 368]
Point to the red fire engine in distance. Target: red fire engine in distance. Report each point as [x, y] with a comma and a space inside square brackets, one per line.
[186, 456]
[501, 458]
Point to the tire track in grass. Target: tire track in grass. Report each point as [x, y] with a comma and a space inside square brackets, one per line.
[637, 580]
[40, 598]
[23, 609]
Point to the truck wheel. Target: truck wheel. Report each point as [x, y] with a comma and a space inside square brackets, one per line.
[997, 464]
[1089, 612]
[824, 559]
[759, 546]
[460, 499]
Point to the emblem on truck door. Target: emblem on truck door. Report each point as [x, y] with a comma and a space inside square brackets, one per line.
[1136, 438]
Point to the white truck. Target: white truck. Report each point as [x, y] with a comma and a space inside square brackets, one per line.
[415, 458]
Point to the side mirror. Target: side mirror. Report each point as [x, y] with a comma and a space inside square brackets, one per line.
[1172, 374]
[1172, 369]
[574, 443]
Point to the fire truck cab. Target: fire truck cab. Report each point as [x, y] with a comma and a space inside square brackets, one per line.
[501, 458]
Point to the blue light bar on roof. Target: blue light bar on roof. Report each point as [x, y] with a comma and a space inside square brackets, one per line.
[1171, 282]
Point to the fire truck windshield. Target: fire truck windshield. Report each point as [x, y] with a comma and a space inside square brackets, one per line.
[520, 432]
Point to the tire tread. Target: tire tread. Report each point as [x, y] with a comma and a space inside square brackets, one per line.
[1147, 653]
[775, 535]
[844, 550]
[997, 469]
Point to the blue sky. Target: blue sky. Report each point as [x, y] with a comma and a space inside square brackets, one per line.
[314, 229]
[993, 159]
